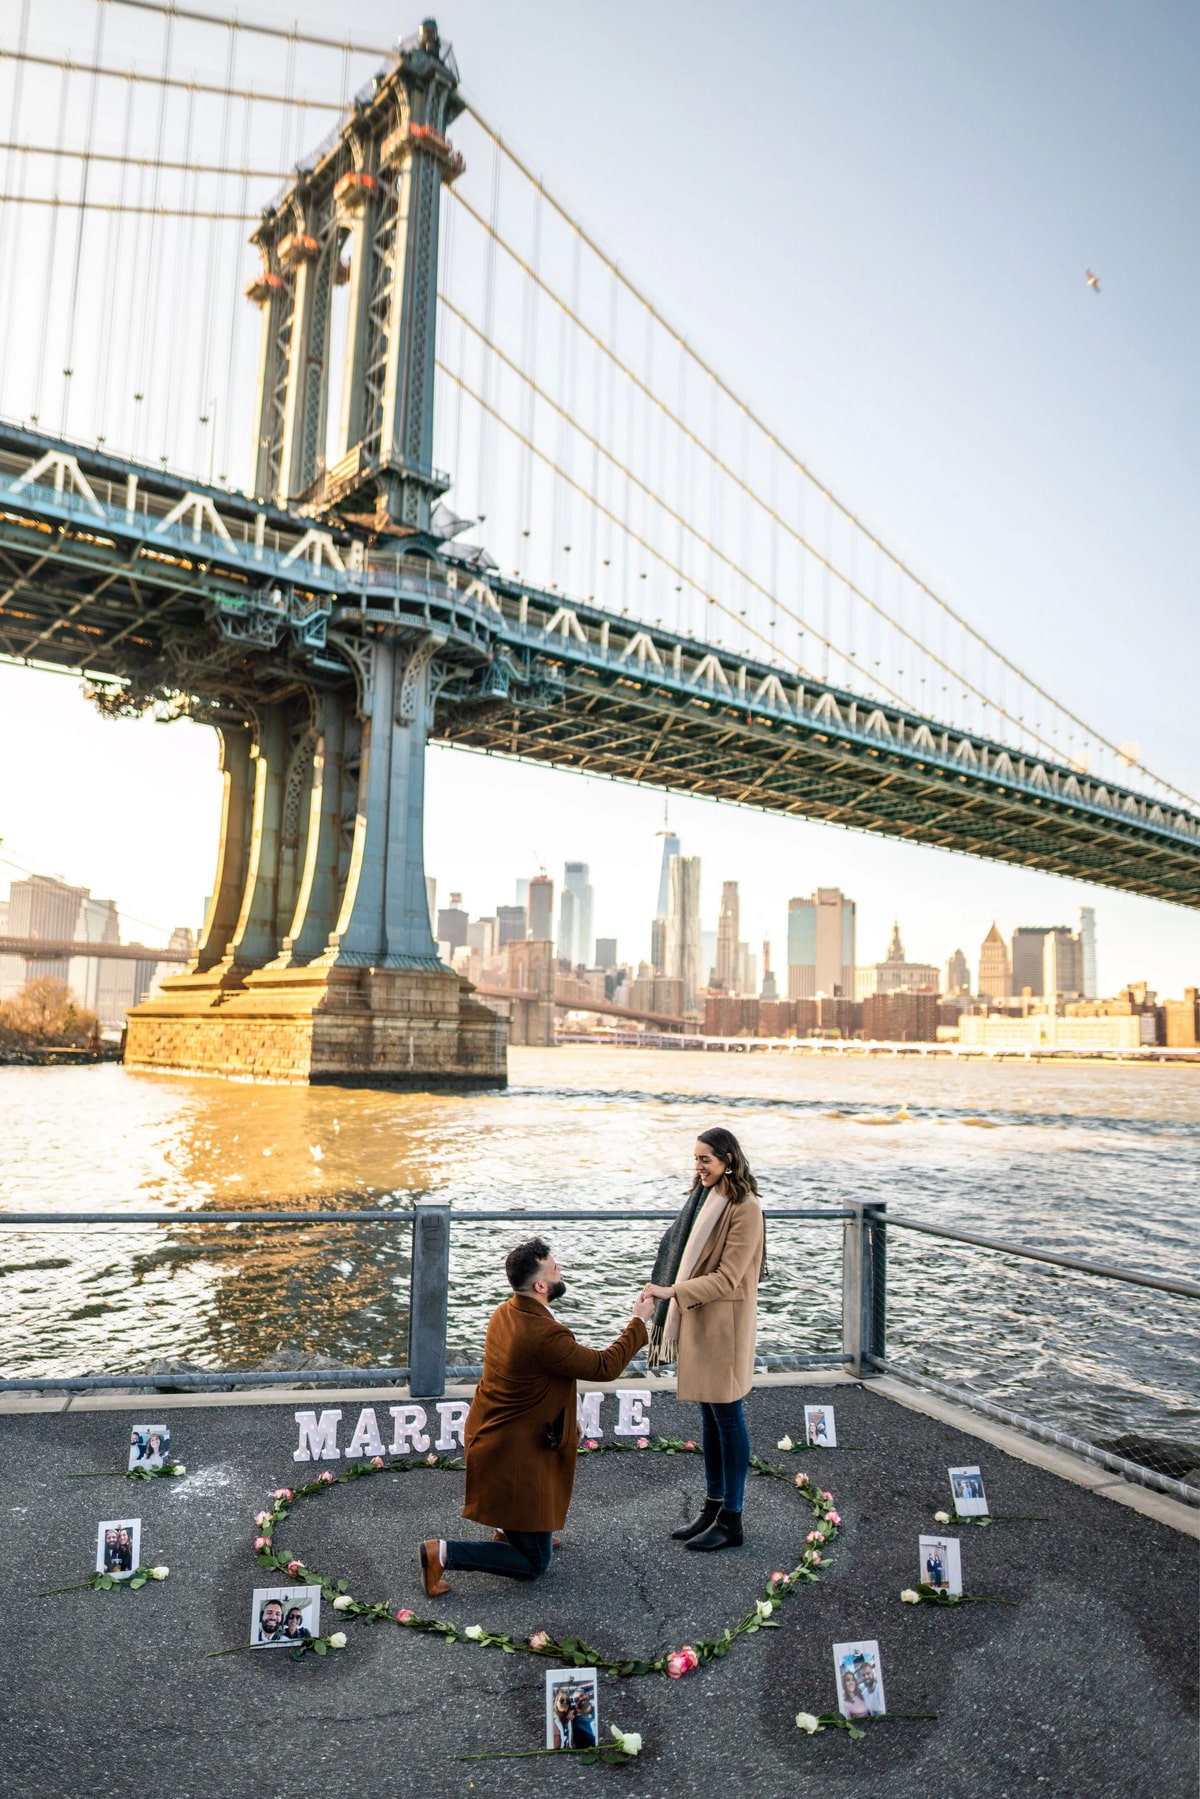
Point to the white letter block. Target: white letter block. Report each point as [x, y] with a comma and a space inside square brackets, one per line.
[453, 1413]
[631, 1419]
[589, 1414]
[318, 1442]
[410, 1429]
[366, 1439]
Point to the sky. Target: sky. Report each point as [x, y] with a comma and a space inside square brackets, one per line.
[875, 220]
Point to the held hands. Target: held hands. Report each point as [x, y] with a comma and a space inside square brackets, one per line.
[643, 1308]
[650, 1291]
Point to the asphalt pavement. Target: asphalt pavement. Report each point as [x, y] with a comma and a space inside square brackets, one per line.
[1085, 1688]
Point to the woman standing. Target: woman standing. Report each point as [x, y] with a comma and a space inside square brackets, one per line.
[705, 1280]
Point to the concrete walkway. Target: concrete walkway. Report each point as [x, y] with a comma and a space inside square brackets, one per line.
[1086, 1688]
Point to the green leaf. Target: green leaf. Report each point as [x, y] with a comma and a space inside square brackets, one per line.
[319, 1646]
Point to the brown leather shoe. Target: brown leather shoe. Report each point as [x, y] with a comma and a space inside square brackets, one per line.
[431, 1569]
[500, 1536]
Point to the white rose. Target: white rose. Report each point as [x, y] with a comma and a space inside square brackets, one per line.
[179, 1468]
[806, 1721]
[909, 1597]
[785, 1443]
[342, 1603]
[474, 1631]
[627, 1740]
[337, 1640]
[763, 1607]
[159, 1573]
[941, 1517]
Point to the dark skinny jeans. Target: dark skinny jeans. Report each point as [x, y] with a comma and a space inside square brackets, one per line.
[726, 1452]
[525, 1556]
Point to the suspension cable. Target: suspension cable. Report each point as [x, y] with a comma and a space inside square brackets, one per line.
[199, 87]
[777, 444]
[259, 28]
[158, 212]
[144, 162]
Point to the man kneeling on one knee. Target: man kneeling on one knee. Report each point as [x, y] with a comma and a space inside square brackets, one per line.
[521, 1431]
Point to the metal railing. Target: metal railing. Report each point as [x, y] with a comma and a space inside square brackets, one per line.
[864, 1311]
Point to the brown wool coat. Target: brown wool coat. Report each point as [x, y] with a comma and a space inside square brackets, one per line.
[718, 1309]
[515, 1478]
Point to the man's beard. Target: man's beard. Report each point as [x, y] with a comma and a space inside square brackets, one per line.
[556, 1292]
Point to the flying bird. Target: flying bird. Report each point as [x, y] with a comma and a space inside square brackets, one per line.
[1093, 281]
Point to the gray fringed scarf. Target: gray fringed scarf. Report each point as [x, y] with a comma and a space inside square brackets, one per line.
[666, 1267]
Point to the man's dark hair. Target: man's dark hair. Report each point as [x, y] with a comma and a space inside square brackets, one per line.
[521, 1264]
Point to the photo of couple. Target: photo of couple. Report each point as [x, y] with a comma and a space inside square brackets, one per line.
[859, 1680]
[819, 1428]
[149, 1446]
[572, 1709]
[940, 1564]
[698, 1311]
[283, 1616]
[970, 1500]
[118, 1541]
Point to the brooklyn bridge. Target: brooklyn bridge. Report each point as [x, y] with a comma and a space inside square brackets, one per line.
[622, 569]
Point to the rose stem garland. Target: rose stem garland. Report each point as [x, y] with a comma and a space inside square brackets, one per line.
[924, 1594]
[104, 1583]
[167, 1468]
[810, 1723]
[570, 1649]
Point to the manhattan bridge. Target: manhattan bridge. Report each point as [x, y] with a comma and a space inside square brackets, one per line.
[341, 443]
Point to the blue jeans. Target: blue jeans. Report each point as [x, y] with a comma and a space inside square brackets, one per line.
[726, 1452]
[525, 1556]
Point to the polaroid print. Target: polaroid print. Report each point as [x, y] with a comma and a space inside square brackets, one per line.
[819, 1429]
[859, 1680]
[149, 1446]
[940, 1564]
[118, 1547]
[970, 1500]
[572, 1708]
[284, 1617]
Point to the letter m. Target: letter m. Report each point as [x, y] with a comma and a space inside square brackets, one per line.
[318, 1442]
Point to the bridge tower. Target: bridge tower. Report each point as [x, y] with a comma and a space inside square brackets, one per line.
[317, 961]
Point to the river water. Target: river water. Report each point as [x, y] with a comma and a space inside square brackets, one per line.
[1100, 1161]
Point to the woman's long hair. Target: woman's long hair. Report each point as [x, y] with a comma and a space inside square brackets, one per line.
[739, 1182]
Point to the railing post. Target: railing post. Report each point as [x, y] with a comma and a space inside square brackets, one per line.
[429, 1283]
[864, 1287]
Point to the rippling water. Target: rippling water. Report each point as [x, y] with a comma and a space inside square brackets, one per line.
[1100, 1161]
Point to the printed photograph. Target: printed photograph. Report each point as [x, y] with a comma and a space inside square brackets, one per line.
[819, 1429]
[859, 1680]
[572, 1708]
[149, 1446]
[118, 1546]
[970, 1500]
[284, 1617]
[940, 1564]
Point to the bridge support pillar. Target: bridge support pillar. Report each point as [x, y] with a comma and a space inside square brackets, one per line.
[318, 963]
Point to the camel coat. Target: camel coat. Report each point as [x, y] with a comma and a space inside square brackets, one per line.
[517, 1478]
[718, 1309]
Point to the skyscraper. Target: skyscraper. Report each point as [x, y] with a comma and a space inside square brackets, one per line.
[684, 938]
[958, 974]
[670, 850]
[575, 914]
[452, 923]
[541, 909]
[770, 991]
[511, 924]
[1062, 964]
[1087, 939]
[821, 945]
[1028, 959]
[995, 969]
[727, 940]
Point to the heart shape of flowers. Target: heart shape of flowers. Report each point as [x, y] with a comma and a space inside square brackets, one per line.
[782, 1584]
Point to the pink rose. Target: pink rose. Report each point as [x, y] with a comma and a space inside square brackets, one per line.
[405, 1616]
[262, 1517]
[802, 1480]
[689, 1444]
[833, 1517]
[294, 1567]
[682, 1662]
[591, 1443]
[778, 1576]
[283, 1493]
[377, 1461]
[262, 1542]
[326, 1477]
[814, 1536]
[539, 1639]
[828, 1498]
[813, 1556]
[643, 1442]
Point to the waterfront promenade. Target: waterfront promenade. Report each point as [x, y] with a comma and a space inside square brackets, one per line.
[1082, 1689]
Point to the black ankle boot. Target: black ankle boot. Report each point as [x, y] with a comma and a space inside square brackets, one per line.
[725, 1532]
[708, 1514]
